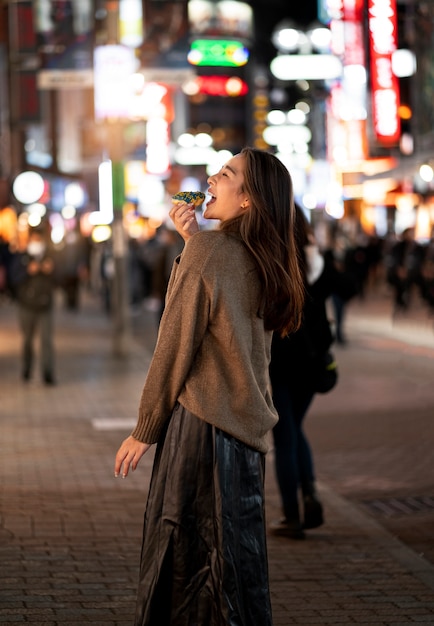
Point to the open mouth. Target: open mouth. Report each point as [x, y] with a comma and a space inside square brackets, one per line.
[211, 198]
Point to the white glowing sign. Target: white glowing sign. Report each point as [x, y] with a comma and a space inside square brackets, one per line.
[158, 109]
[353, 95]
[305, 66]
[384, 83]
[157, 146]
[113, 68]
[105, 185]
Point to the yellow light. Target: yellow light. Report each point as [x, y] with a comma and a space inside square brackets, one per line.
[68, 212]
[34, 220]
[404, 203]
[423, 223]
[101, 233]
[404, 112]
[234, 86]
[8, 223]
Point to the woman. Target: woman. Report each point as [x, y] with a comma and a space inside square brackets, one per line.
[294, 361]
[206, 402]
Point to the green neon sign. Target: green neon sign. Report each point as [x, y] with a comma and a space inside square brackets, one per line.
[218, 53]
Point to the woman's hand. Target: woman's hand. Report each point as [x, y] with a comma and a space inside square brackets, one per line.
[184, 218]
[129, 455]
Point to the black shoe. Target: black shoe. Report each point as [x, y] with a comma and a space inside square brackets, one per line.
[288, 528]
[49, 380]
[26, 376]
[313, 512]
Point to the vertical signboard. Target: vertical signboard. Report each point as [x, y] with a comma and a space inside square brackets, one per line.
[25, 104]
[382, 26]
[354, 80]
[113, 87]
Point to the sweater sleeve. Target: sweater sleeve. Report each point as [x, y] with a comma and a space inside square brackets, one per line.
[181, 331]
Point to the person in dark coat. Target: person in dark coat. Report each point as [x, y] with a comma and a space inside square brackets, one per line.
[33, 284]
[296, 362]
[404, 268]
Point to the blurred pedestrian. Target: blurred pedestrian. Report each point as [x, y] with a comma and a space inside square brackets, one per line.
[207, 403]
[428, 274]
[404, 269]
[374, 251]
[33, 284]
[107, 274]
[5, 261]
[72, 263]
[135, 274]
[339, 255]
[356, 263]
[151, 252]
[171, 246]
[297, 361]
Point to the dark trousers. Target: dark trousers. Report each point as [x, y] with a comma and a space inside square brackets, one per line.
[30, 322]
[293, 455]
[339, 304]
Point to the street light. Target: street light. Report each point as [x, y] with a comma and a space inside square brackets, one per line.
[304, 57]
[312, 60]
[286, 37]
[426, 173]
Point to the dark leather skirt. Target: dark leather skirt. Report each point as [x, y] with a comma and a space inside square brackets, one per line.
[204, 556]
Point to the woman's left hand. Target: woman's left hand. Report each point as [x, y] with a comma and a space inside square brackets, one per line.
[129, 455]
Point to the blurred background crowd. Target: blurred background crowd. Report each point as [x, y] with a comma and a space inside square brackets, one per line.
[109, 108]
[399, 267]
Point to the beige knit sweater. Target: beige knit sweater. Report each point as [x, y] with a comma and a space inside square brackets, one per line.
[212, 351]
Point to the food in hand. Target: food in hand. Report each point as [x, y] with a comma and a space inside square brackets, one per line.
[189, 197]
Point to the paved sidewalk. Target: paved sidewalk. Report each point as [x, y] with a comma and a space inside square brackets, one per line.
[70, 533]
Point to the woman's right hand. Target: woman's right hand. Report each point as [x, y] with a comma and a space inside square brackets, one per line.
[129, 455]
[183, 217]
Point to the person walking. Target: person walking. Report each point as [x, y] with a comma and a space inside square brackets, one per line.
[341, 255]
[404, 264]
[295, 365]
[206, 402]
[33, 285]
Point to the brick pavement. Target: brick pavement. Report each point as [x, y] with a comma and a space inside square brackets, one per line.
[70, 533]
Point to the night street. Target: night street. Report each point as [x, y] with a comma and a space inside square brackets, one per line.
[70, 533]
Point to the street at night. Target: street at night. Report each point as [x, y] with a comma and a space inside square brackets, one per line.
[70, 533]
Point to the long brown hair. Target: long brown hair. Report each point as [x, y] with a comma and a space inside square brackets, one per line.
[268, 231]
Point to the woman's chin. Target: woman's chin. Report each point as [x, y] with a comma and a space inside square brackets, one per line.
[207, 213]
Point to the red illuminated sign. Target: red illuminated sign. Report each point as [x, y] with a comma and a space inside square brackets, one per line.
[384, 84]
[353, 10]
[221, 85]
[353, 29]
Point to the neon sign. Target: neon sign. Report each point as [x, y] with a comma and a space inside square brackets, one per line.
[221, 85]
[384, 83]
[218, 53]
